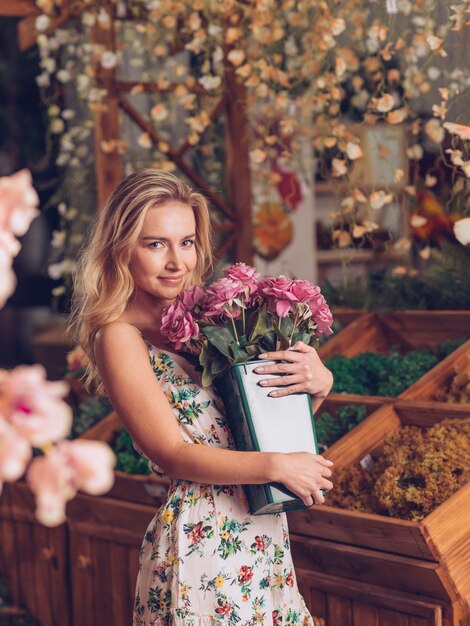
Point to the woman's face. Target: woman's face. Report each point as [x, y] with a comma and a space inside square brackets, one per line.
[165, 253]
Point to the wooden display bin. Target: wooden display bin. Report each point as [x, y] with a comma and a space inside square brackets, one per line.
[33, 559]
[361, 569]
[150, 490]
[105, 539]
[408, 330]
[426, 388]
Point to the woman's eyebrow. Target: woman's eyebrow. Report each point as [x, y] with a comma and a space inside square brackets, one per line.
[156, 237]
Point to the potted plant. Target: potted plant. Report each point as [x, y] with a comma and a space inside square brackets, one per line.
[227, 326]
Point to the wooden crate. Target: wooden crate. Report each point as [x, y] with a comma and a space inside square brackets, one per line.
[150, 490]
[105, 539]
[439, 378]
[33, 559]
[408, 330]
[367, 564]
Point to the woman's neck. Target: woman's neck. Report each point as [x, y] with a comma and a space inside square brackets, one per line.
[145, 313]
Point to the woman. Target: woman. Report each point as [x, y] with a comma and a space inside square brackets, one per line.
[204, 559]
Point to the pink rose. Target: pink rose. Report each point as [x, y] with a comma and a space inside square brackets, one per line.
[192, 296]
[56, 477]
[305, 291]
[279, 294]
[18, 203]
[34, 406]
[224, 297]
[323, 318]
[178, 324]
[245, 274]
[92, 463]
[15, 453]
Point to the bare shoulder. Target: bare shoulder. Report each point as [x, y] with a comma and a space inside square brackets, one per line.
[117, 335]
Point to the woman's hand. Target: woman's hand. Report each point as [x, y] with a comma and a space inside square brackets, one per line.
[304, 474]
[302, 373]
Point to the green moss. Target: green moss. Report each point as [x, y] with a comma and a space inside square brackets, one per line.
[332, 426]
[389, 374]
[128, 459]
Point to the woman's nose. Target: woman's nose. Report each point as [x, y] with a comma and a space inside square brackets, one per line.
[174, 258]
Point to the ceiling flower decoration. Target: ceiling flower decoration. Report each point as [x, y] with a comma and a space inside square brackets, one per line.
[312, 70]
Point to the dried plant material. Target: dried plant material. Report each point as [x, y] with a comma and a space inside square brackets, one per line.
[415, 471]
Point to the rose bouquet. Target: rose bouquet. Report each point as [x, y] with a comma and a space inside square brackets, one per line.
[240, 316]
[226, 326]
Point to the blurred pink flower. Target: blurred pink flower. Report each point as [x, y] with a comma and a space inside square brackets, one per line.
[178, 324]
[50, 478]
[15, 453]
[56, 477]
[224, 297]
[92, 464]
[278, 293]
[18, 203]
[34, 406]
[245, 274]
[192, 296]
[7, 275]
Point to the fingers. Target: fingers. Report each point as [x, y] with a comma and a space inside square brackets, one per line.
[325, 462]
[308, 500]
[281, 355]
[318, 496]
[288, 379]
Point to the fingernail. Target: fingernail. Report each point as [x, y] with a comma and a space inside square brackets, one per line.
[259, 370]
[329, 462]
[273, 394]
[263, 382]
[262, 356]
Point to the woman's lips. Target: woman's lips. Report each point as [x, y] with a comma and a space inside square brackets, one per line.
[171, 279]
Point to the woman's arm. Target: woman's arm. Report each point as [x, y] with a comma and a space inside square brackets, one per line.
[135, 393]
[303, 372]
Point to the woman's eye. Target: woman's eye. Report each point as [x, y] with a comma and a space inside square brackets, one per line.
[188, 242]
[155, 244]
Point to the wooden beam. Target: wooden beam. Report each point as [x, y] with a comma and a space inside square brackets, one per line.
[27, 33]
[106, 118]
[148, 127]
[238, 163]
[17, 8]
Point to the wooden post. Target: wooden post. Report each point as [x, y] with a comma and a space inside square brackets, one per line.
[238, 163]
[106, 116]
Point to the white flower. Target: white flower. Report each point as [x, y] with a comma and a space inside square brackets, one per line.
[353, 151]
[42, 22]
[57, 126]
[58, 239]
[210, 82]
[462, 231]
[108, 60]
[88, 19]
[63, 76]
[43, 80]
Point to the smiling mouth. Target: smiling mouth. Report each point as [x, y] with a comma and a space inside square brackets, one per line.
[172, 279]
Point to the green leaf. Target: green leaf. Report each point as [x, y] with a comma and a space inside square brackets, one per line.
[207, 376]
[261, 324]
[286, 326]
[218, 364]
[267, 342]
[252, 349]
[220, 337]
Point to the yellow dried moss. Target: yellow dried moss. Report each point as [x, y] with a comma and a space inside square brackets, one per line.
[415, 471]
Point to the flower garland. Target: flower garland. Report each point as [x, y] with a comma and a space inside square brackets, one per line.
[308, 67]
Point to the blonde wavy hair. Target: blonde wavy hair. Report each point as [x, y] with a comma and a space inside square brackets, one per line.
[103, 284]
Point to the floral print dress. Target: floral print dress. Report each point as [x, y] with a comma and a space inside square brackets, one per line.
[205, 561]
